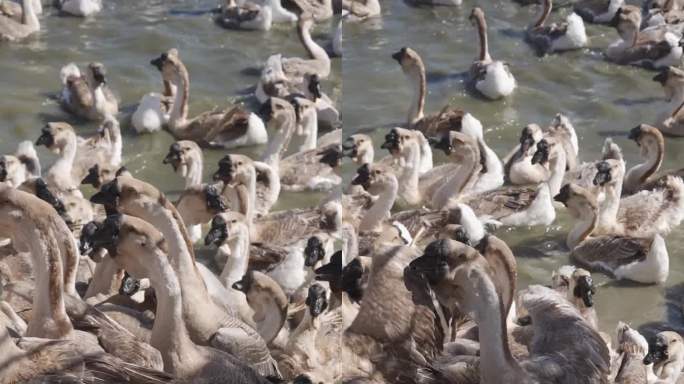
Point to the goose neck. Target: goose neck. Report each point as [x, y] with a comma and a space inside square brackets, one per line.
[237, 262]
[174, 350]
[310, 128]
[484, 43]
[381, 208]
[279, 143]
[586, 224]
[546, 11]
[179, 109]
[194, 172]
[418, 81]
[315, 51]
[29, 16]
[410, 177]
[558, 164]
[496, 360]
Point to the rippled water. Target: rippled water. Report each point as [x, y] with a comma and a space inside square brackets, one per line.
[600, 98]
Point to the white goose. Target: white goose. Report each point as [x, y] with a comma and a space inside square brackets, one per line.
[82, 8]
[493, 79]
[556, 37]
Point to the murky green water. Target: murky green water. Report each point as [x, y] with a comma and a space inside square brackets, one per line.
[600, 98]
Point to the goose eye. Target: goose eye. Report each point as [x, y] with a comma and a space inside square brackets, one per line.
[360, 141]
[233, 221]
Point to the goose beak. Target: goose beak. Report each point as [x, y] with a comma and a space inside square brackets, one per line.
[634, 134]
[362, 177]
[159, 62]
[349, 148]
[129, 285]
[3, 169]
[657, 352]
[108, 195]
[266, 111]
[564, 195]
[661, 77]
[313, 252]
[46, 138]
[443, 144]
[316, 300]
[215, 201]
[398, 55]
[603, 174]
[332, 271]
[93, 177]
[218, 233]
[241, 285]
[315, 87]
[585, 289]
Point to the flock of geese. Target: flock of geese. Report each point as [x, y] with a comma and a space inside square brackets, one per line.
[395, 276]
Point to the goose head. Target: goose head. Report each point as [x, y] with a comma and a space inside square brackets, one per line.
[314, 87]
[181, 155]
[262, 292]
[331, 216]
[398, 140]
[454, 144]
[665, 348]
[578, 200]
[331, 272]
[316, 300]
[541, 155]
[234, 169]
[167, 63]
[477, 16]
[277, 112]
[672, 81]
[627, 21]
[446, 264]
[12, 170]
[629, 339]
[582, 287]
[96, 74]
[409, 60]
[529, 135]
[98, 175]
[560, 279]
[224, 227]
[354, 280]
[648, 138]
[359, 147]
[314, 251]
[56, 136]
[606, 172]
[375, 178]
[331, 156]
[101, 235]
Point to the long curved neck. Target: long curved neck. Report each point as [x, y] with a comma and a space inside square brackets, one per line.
[411, 175]
[117, 143]
[193, 177]
[654, 159]
[558, 164]
[350, 246]
[236, 264]
[492, 161]
[279, 142]
[68, 153]
[176, 351]
[272, 179]
[367, 156]
[484, 44]
[314, 50]
[29, 17]
[585, 226]
[310, 128]
[546, 11]
[465, 178]
[249, 198]
[496, 360]
[418, 81]
[381, 208]
[106, 279]
[179, 109]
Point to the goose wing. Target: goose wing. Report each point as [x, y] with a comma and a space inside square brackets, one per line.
[432, 222]
[297, 171]
[219, 127]
[232, 17]
[448, 119]
[79, 97]
[649, 50]
[654, 211]
[263, 256]
[606, 253]
[503, 202]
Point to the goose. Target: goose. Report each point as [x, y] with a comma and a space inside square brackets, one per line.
[268, 301]
[14, 9]
[98, 175]
[580, 293]
[638, 48]
[82, 8]
[566, 36]
[64, 175]
[652, 146]
[315, 342]
[207, 322]
[667, 355]
[585, 173]
[524, 205]
[448, 119]
[40, 356]
[186, 158]
[140, 248]
[598, 12]
[644, 260]
[317, 10]
[493, 79]
[518, 167]
[461, 277]
[21, 166]
[632, 348]
[230, 128]
[151, 113]
[281, 14]
[361, 9]
[249, 16]
[87, 96]
[648, 212]
[12, 30]
[103, 148]
[340, 300]
[39, 230]
[672, 81]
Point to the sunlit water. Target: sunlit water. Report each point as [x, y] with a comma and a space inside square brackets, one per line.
[601, 100]
[223, 65]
